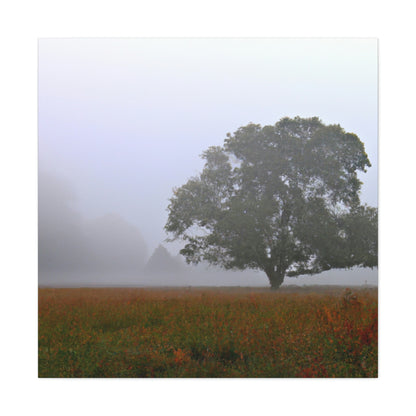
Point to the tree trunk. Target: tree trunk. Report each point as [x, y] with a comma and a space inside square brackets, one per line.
[276, 278]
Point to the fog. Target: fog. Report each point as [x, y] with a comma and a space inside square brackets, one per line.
[123, 121]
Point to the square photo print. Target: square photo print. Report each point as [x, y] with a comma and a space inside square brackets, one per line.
[208, 208]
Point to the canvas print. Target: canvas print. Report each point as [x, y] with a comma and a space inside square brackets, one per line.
[208, 208]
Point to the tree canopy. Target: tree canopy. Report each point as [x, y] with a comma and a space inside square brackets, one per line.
[283, 199]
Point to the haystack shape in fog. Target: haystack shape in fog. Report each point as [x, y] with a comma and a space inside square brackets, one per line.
[161, 262]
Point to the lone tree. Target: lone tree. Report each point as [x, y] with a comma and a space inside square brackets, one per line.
[283, 199]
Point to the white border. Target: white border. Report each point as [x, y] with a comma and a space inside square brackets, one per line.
[22, 23]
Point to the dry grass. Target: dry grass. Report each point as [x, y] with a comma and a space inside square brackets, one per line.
[208, 332]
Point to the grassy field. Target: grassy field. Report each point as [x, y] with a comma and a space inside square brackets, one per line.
[294, 332]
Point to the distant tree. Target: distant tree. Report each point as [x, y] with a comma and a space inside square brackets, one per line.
[283, 199]
[161, 262]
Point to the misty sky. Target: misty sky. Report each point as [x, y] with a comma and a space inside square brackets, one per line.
[125, 120]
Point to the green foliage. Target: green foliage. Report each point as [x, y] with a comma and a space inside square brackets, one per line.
[283, 199]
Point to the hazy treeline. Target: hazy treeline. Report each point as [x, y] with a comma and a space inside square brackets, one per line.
[111, 251]
[70, 243]
[105, 250]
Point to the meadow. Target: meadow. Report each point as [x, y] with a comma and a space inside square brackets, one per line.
[208, 332]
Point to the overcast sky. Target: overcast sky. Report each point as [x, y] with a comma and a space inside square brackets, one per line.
[125, 120]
